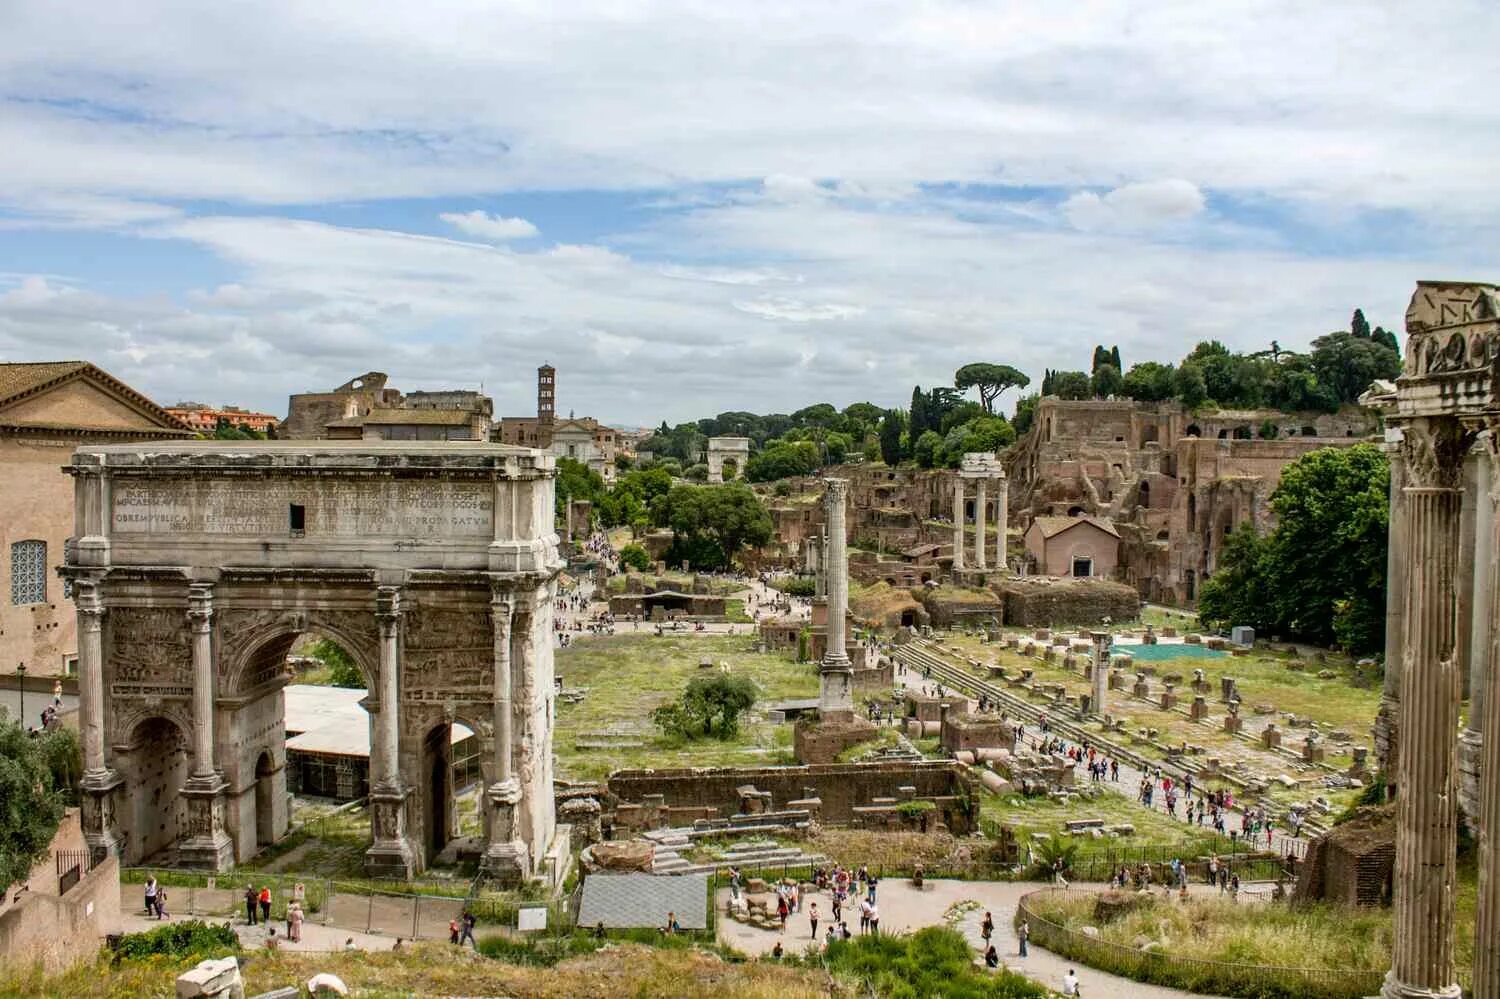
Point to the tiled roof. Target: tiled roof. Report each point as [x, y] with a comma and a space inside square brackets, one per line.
[622, 901]
[1053, 526]
[21, 378]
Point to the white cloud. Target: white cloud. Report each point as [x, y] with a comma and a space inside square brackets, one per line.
[490, 227]
[1143, 204]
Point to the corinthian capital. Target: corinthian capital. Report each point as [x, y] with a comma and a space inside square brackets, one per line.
[1433, 448]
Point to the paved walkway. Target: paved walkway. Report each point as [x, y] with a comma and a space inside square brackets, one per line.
[315, 938]
[903, 907]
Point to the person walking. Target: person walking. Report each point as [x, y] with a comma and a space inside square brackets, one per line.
[1023, 934]
[812, 918]
[987, 927]
[161, 904]
[875, 920]
[151, 888]
[295, 919]
[265, 903]
[468, 932]
[453, 931]
[250, 904]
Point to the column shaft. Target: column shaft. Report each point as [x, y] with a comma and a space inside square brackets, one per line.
[1387, 735]
[1426, 801]
[388, 614]
[90, 675]
[200, 614]
[1487, 925]
[958, 522]
[838, 571]
[1002, 522]
[502, 708]
[979, 503]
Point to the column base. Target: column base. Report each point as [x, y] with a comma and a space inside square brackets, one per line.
[207, 846]
[1394, 989]
[97, 813]
[506, 865]
[1470, 763]
[391, 855]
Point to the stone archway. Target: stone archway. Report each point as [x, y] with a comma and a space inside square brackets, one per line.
[195, 569]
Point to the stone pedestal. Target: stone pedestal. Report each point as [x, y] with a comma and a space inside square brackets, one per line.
[1312, 750]
[97, 803]
[1116, 679]
[1142, 689]
[391, 855]
[1233, 724]
[1199, 708]
[206, 846]
[1168, 699]
[506, 862]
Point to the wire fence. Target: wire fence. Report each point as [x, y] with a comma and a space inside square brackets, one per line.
[1193, 974]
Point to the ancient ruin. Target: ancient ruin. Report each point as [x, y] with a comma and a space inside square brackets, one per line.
[196, 566]
[1446, 403]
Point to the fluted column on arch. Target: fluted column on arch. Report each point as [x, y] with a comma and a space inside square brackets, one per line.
[390, 854]
[1487, 820]
[1427, 767]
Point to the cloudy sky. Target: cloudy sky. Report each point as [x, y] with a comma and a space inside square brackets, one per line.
[695, 207]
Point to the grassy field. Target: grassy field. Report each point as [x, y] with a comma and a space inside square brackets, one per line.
[629, 675]
[438, 969]
[1152, 827]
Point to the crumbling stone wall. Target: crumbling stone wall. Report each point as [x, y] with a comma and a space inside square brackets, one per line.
[1354, 862]
[1043, 602]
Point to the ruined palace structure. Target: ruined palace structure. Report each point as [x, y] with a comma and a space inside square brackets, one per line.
[1446, 405]
[196, 566]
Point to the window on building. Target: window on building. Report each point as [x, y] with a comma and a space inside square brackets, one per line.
[28, 572]
[297, 519]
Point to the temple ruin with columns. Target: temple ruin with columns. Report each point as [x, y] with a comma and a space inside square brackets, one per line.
[196, 566]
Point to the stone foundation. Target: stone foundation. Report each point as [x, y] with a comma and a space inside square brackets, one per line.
[822, 740]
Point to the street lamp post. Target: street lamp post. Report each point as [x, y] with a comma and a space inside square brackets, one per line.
[21, 675]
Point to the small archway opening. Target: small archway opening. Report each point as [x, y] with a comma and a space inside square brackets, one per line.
[729, 469]
[1190, 582]
[452, 779]
[437, 771]
[159, 758]
[908, 618]
[1083, 566]
[968, 509]
[1075, 511]
[265, 814]
[1145, 492]
[1193, 431]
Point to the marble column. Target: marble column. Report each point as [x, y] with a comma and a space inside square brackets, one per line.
[505, 860]
[1101, 671]
[981, 559]
[201, 616]
[1487, 824]
[207, 844]
[391, 854]
[1002, 523]
[1481, 622]
[1387, 733]
[958, 522]
[1427, 770]
[97, 804]
[835, 674]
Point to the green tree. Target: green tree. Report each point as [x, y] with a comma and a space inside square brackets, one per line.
[1025, 413]
[1150, 381]
[917, 420]
[1347, 364]
[575, 480]
[1072, 385]
[1236, 592]
[31, 805]
[927, 450]
[990, 379]
[1359, 326]
[891, 429]
[781, 460]
[712, 523]
[1107, 382]
[709, 706]
[1191, 390]
[342, 671]
[633, 556]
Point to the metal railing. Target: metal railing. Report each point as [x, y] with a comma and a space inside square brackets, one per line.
[1193, 974]
[72, 865]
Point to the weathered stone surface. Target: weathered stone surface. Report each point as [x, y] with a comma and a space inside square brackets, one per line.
[627, 855]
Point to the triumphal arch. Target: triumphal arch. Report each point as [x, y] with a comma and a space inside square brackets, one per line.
[195, 566]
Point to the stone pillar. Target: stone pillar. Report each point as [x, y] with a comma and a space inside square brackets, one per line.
[207, 845]
[1487, 824]
[1387, 733]
[99, 781]
[1427, 772]
[958, 522]
[1481, 621]
[390, 854]
[836, 676]
[1002, 523]
[982, 498]
[820, 578]
[201, 614]
[1101, 670]
[506, 859]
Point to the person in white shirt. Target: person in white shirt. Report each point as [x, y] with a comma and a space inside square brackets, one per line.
[1070, 984]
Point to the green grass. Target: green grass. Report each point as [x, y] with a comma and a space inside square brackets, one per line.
[629, 675]
[1153, 828]
[934, 961]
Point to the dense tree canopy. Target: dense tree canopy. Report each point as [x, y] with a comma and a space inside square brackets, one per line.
[990, 379]
[31, 800]
[1320, 576]
[712, 523]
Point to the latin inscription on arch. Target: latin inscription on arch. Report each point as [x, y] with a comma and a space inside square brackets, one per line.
[256, 508]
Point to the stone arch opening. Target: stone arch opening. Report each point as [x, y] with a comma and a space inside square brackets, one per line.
[1192, 431]
[1145, 493]
[1076, 511]
[265, 791]
[908, 619]
[158, 764]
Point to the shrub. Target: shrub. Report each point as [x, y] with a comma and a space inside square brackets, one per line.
[189, 938]
[633, 556]
[935, 961]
